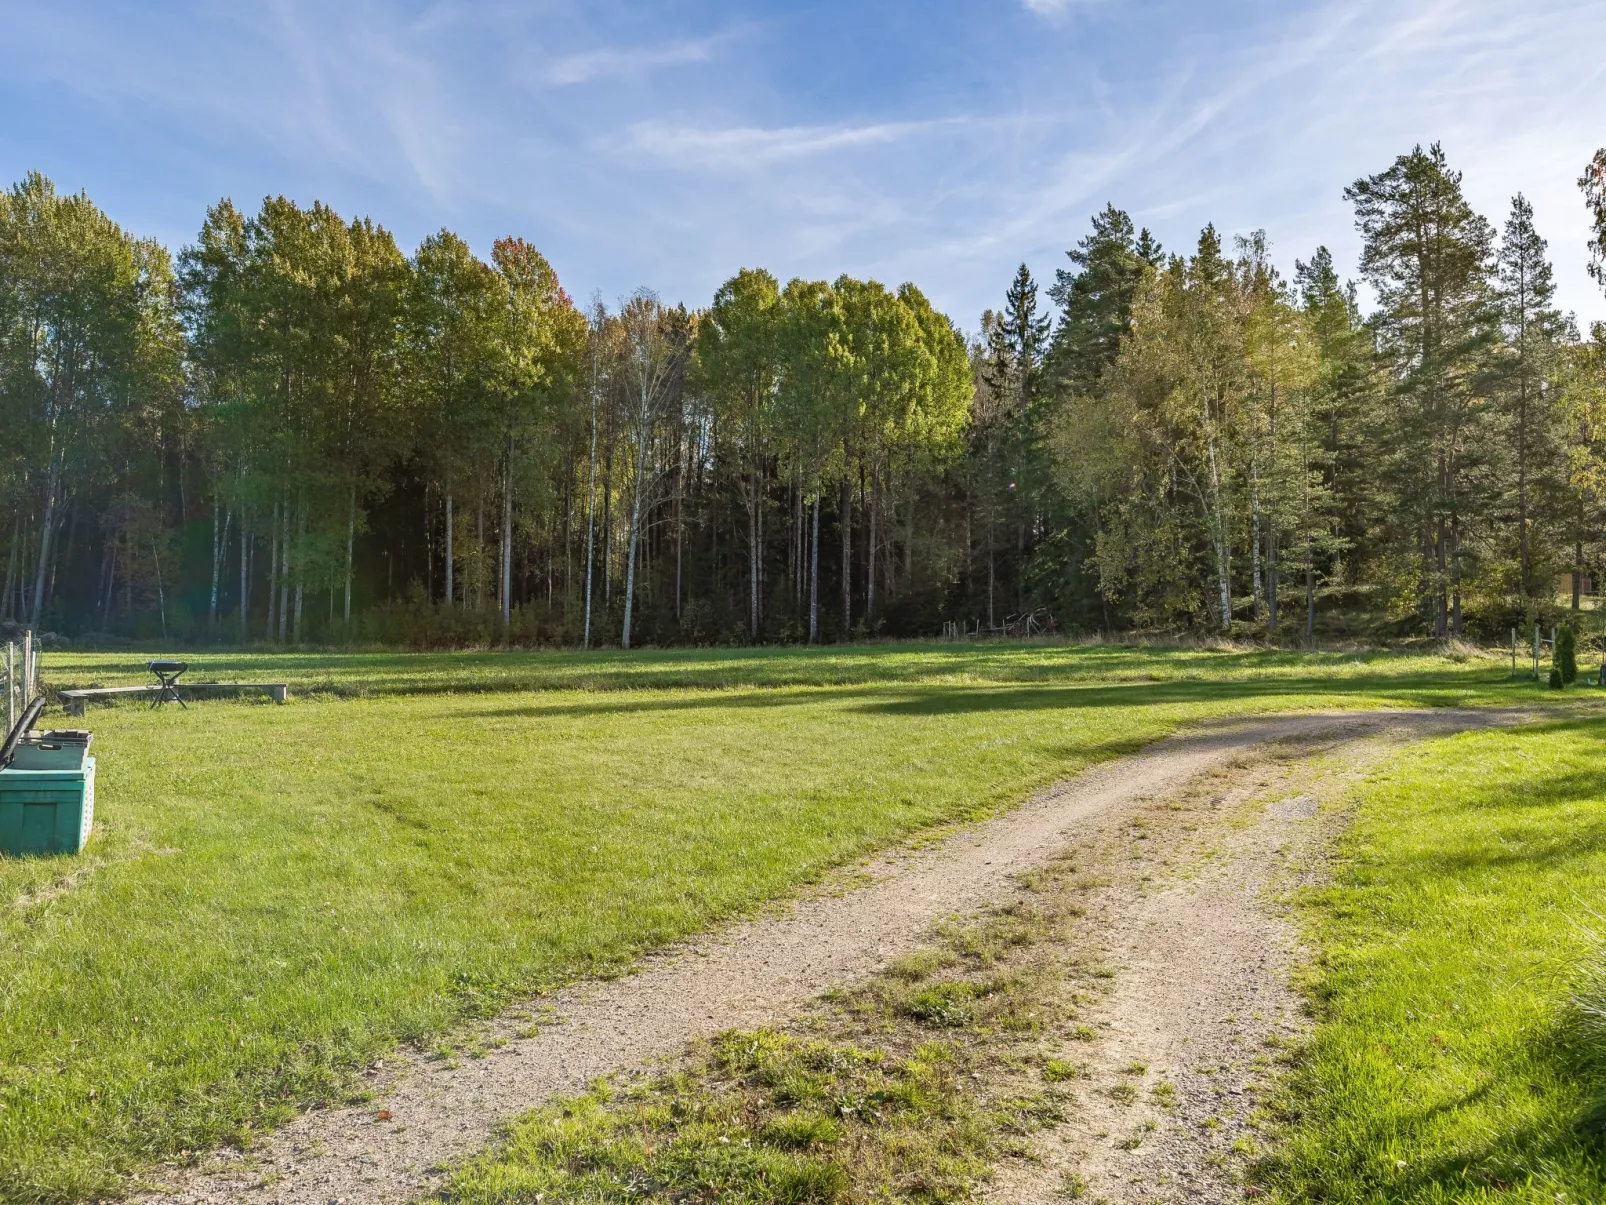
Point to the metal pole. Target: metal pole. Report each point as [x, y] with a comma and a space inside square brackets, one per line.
[1536, 652]
[11, 685]
[27, 666]
[1513, 652]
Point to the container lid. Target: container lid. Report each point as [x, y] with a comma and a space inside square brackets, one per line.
[13, 777]
[67, 736]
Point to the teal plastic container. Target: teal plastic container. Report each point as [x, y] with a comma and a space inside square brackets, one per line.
[46, 811]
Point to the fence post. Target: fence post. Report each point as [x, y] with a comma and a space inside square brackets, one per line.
[27, 666]
[1536, 652]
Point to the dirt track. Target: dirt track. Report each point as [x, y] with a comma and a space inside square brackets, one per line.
[1188, 917]
[426, 1113]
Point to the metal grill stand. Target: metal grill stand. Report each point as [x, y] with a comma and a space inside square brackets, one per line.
[167, 673]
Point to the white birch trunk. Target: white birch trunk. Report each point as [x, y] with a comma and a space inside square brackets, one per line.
[591, 516]
[507, 540]
[1219, 537]
[814, 575]
[450, 577]
[351, 540]
[635, 516]
[245, 595]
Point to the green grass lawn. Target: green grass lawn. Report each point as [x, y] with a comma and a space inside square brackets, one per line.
[276, 895]
[1448, 1064]
[369, 673]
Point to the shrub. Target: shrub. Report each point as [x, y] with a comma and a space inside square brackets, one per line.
[1566, 657]
[1555, 678]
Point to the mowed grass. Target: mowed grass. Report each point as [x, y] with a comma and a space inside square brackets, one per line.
[275, 896]
[358, 674]
[1449, 1063]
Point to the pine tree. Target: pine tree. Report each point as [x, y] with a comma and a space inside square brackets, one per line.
[1593, 183]
[1532, 328]
[1426, 252]
[1095, 299]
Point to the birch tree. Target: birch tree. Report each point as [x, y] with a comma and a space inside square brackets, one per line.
[655, 346]
[455, 305]
[540, 344]
[88, 302]
[738, 353]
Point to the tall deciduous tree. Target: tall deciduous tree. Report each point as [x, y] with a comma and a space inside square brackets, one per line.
[1282, 364]
[542, 340]
[454, 315]
[92, 337]
[739, 353]
[1180, 392]
[656, 342]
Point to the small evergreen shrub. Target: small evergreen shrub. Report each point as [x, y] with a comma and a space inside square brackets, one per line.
[1555, 678]
[1566, 658]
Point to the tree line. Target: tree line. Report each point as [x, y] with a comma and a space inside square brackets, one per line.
[294, 431]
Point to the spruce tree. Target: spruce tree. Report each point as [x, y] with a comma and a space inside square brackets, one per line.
[1017, 341]
[1347, 403]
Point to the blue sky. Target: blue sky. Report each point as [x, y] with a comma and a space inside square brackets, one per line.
[941, 142]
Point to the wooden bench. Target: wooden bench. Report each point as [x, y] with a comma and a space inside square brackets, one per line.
[76, 700]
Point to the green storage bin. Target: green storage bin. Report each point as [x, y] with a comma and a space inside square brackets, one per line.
[46, 811]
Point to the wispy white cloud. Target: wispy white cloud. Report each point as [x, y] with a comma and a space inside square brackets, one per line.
[1054, 8]
[806, 152]
[751, 146]
[613, 61]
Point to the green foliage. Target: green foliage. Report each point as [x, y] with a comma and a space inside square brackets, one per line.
[1447, 1062]
[1426, 253]
[1096, 298]
[1566, 656]
[1186, 464]
[91, 379]
[307, 430]
[1593, 184]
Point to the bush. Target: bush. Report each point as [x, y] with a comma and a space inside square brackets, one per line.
[1566, 657]
[1555, 678]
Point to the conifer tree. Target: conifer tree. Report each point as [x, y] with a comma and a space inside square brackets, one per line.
[1017, 341]
[1533, 330]
[1593, 183]
[1346, 414]
[1095, 298]
[1426, 252]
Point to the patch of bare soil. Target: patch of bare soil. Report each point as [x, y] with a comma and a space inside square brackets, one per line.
[1183, 906]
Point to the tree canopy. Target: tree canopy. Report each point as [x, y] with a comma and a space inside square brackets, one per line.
[301, 431]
